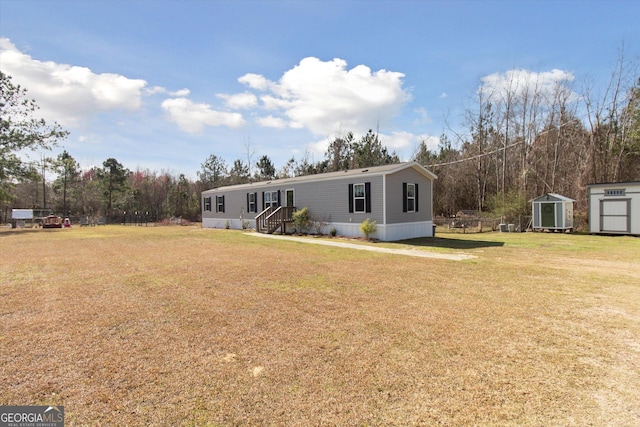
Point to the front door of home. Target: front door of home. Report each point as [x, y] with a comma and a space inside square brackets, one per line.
[289, 198]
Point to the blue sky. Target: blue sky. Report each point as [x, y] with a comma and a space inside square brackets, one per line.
[161, 85]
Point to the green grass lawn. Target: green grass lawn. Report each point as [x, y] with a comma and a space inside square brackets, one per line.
[187, 326]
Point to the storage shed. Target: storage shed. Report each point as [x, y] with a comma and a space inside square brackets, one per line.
[552, 212]
[614, 208]
[20, 217]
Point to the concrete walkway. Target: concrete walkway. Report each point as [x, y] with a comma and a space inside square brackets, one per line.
[327, 242]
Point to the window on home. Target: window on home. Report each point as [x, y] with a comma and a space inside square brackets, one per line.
[251, 202]
[409, 197]
[207, 203]
[219, 203]
[359, 199]
[270, 199]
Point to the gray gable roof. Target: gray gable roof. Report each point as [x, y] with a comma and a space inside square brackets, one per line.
[552, 197]
[371, 171]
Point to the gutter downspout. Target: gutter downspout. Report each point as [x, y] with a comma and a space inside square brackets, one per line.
[432, 181]
[384, 205]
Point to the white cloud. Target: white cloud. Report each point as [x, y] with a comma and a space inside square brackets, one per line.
[180, 93]
[399, 140]
[160, 90]
[423, 116]
[270, 102]
[272, 122]
[69, 94]
[404, 144]
[318, 148]
[240, 101]
[155, 90]
[518, 82]
[325, 96]
[193, 117]
[432, 141]
[254, 81]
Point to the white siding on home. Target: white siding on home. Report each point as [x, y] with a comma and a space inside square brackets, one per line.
[389, 232]
[407, 230]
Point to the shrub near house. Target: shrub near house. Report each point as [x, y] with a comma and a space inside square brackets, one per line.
[368, 227]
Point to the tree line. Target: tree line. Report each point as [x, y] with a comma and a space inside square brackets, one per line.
[119, 194]
[526, 141]
[518, 142]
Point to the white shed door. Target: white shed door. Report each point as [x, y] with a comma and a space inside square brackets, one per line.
[614, 216]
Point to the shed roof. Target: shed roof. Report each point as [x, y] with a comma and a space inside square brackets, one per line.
[552, 197]
[371, 171]
[617, 184]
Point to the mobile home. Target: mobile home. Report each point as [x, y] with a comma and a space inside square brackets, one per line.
[398, 197]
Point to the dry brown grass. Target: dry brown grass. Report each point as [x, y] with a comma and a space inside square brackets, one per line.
[184, 326]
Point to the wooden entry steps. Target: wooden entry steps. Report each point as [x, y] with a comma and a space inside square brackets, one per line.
[270, 220]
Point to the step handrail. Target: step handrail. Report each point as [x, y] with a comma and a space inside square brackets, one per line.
[261, 219]
[275, 219]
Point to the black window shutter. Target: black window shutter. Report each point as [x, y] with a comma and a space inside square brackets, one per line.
[367, 196]
[405, 208]
[263, 200]
[222, 204]
[350, 198]
[255, 202]
[216, 200]
[416, 195]
[248, 207]
[278, 197]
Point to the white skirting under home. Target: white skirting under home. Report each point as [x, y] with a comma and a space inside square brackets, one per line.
[389, 232]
